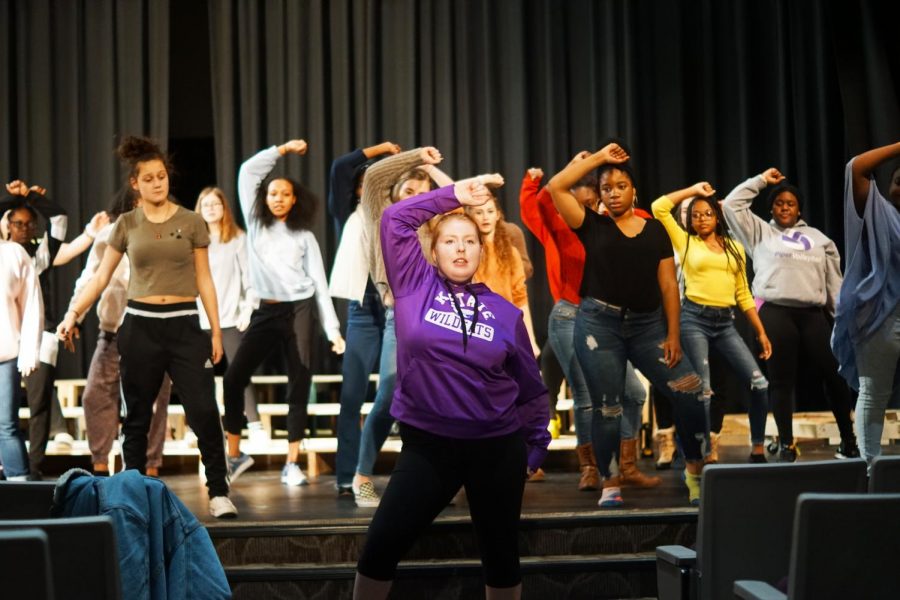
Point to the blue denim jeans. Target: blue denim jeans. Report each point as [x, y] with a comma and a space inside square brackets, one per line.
[606, 338]
[561, 331]
[704, 326]
[378, 423]
[365, 325]
[878, 363]
[12, 442]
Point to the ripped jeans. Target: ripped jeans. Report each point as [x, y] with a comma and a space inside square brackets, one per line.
[702, 326]
[606, 338]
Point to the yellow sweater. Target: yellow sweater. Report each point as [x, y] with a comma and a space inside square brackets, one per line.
[710, 278]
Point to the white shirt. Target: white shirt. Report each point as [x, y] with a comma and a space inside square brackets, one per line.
[285, 265]
[22, 315]
[231, 276]
[350, 272]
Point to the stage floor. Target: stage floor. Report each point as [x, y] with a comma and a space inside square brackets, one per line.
[260, 496]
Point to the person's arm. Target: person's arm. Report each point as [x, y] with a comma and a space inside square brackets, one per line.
[89, 295]
[249, 300]
[256, 168]
[532, 401]
[70, 250]
[748, 228]
[405, 264]
[833, 277]
[95, 257]
[863, 166]
[765, 344]
[671, 303]
[342, 192]
[315, 268]
[31, 307]
[560, 185]
[439, 178]
[207, 290]
[529, 210]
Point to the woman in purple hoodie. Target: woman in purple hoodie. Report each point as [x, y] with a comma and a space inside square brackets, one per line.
[469, 397]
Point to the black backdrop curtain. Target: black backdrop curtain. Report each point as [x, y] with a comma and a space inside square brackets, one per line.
[702, 89]
[711, 89]
[76, 75]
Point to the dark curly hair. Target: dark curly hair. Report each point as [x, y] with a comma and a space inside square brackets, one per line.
[134, 150]
[302, 213]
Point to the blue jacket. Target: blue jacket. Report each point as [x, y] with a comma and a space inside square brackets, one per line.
[164, 551]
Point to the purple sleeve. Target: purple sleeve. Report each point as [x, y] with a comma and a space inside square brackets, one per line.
[532, 401]
[403, 259]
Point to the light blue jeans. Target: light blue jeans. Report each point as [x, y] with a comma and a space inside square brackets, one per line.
[378, 423]
[605, 339]
[12, 442]
[561, 331]
[704, 326]
[877, 360]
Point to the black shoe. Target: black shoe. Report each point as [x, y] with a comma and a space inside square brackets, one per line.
[788, 454]
[757, 459]
[847, 449]
[345, 491]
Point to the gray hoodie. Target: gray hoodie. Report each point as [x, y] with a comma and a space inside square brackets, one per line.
[799, 266]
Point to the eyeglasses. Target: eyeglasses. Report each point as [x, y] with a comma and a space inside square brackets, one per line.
[700, 215]
[22, 224]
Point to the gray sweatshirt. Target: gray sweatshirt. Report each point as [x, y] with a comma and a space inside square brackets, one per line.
[799, 266]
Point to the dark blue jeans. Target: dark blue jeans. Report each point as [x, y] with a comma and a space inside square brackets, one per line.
[365, 327]
[704, 326]
[606, 338]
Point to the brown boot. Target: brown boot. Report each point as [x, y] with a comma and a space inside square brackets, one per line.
[590, 477]
[628, 471]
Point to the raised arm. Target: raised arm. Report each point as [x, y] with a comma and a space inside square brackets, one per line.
[529, 210]
[746, 226]
[70, 250]
[863, 166]
[341, 193]
[256, 168]
[560, 185]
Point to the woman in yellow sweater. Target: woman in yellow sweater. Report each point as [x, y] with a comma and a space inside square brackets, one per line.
[715, 280]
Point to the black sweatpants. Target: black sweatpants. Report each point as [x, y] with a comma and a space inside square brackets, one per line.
[151, 345]
[285, 325]
[793, 331]
[428, 473]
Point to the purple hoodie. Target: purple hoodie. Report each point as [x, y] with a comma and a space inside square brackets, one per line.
[486, 387]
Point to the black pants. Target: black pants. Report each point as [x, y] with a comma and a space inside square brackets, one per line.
[150, 347]
[428, 473]
[793, 331]
[46, 414]
[287, 325]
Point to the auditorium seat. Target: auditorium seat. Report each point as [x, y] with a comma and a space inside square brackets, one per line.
[843, 546]
[25, 556]
[885, 475]
[26, 499]
[85, 565]
[745, 522]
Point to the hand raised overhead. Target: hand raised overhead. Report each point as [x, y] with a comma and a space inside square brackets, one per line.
[772, 176]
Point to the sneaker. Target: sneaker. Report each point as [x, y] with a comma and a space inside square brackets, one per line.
[344, 491]
[693, 485]
[788, 453]
[847, 449]
[537, 477]
[222, 508]
[238, 464]
[611, 497]
[757, 458]
[365, 495]
[63, 441]
[292, 474]
[258, 436]
[554, 426]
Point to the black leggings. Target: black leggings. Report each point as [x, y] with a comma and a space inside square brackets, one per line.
[285, 325]
[807, 330]
[428, 473]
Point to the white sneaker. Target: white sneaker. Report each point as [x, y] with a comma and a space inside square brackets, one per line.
[291, 474]
[63, 441]
[222, 508]
[258, 436]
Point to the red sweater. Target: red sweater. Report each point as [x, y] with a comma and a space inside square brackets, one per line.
[563, 251]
